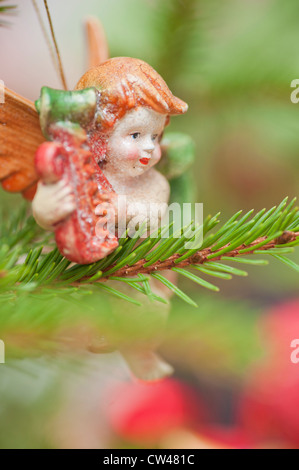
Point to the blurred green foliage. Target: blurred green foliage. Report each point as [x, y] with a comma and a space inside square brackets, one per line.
[233, 62]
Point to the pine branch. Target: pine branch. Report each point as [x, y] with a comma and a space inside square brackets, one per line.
[25, 264]
[202, 256]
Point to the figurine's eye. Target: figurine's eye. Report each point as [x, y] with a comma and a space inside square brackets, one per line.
[135, 135]
[154, 137]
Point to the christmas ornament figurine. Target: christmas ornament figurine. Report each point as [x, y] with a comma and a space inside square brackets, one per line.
[106, 141]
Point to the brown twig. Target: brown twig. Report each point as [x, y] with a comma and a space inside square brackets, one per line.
[200, 257]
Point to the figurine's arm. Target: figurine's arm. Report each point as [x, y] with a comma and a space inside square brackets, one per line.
[52, 204]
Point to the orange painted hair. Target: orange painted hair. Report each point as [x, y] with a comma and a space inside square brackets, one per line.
[125, 83]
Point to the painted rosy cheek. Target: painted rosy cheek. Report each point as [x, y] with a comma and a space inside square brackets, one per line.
[133, 154]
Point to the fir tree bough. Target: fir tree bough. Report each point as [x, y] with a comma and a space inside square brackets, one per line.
[29, 260]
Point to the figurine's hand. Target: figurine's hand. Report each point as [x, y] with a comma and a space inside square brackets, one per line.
[52, 203]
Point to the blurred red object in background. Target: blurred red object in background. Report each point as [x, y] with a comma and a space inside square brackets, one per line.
[145, 413]
[269, 408]
[170, 414]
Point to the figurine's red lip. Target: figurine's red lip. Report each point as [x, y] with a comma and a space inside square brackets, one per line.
[144, 161]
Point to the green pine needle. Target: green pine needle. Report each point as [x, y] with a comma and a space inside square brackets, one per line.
[174, 289]
[287, 261]
[117, 293]
[196, 279]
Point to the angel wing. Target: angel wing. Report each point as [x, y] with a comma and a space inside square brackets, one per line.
[20, 135]
[97, 45]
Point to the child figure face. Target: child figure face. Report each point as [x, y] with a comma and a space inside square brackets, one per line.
[133, 146]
